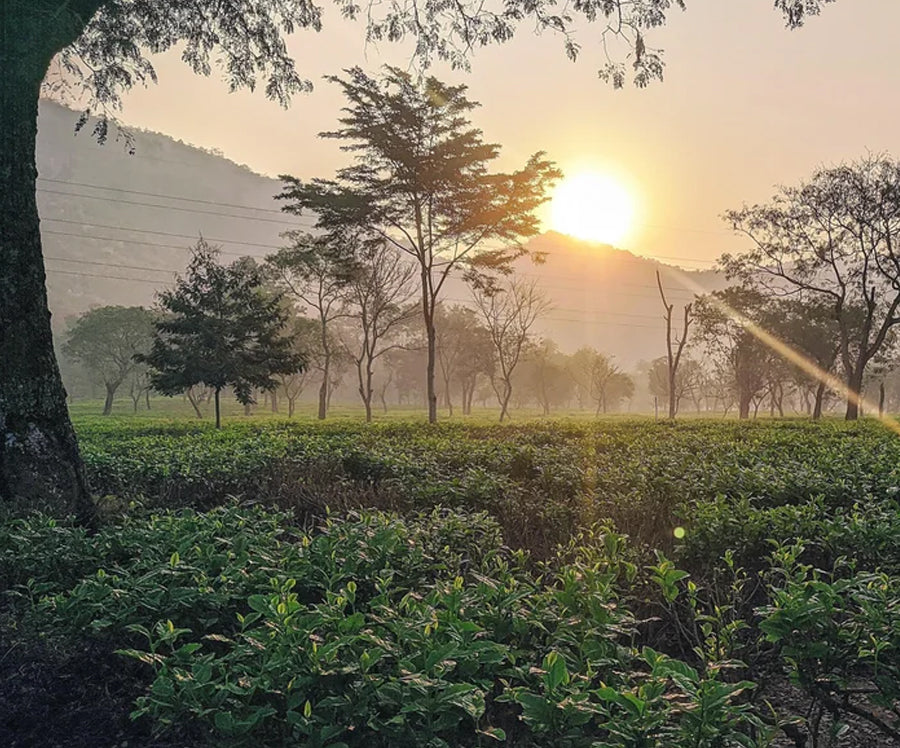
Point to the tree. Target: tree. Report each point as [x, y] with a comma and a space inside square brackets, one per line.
[674, 346]
[544, 375]
[221, 327]
[421, 183]
[809, 327]
[463, 345]
[106, 340]
[102, 46]
[381, 295]
[722, 318]
[317, 271]
[833, 239]
[509, 314]
[305, 340]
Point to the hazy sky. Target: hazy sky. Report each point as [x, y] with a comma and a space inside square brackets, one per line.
[745, 105]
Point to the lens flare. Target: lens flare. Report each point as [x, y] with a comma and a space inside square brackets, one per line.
[788, 353]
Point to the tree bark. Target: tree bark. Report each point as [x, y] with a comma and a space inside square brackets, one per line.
[819, 402]
[110, 395]
[40, 466]
[854, 383]
[430, 391]
[218, 410]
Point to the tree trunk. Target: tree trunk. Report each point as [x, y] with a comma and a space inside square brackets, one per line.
[504, 400]
[110, 394]
[193, 402]
[274, 395]
[430, 392]
[744, 405]
[218, 410]
[323, 389]
[854, 383]
[40, 467]
[881, 399]
[147, 397]
[819, 401]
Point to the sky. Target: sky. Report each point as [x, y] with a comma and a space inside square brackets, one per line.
[746, 105]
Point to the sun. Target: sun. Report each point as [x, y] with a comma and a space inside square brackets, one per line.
[594, 207]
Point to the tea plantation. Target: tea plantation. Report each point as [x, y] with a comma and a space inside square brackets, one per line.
[571, 584]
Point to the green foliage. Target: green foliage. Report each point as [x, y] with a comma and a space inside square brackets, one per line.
[838, 633]
[220, 328]
[106, 340]
[370, 631]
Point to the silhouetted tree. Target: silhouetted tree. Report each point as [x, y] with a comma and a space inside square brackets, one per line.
[222, 328]
[674, 344]
[106, 340]
[731, 343]
[421, 183]
[836, 239]
[509, 314]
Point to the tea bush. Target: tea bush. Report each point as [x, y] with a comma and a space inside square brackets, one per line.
[374, 631]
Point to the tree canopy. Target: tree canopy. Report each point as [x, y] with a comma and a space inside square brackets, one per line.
[222, 328]
[421, 183]
[106, 340]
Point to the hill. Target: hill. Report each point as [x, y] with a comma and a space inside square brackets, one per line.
[117, 226]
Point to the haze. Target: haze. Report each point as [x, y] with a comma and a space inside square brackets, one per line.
[745, 105]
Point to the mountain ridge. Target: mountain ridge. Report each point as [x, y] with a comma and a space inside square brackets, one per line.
[117, 227]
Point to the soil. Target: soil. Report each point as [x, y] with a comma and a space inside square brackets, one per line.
[50, 699]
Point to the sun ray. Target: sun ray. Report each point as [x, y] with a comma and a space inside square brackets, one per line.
[835, 384]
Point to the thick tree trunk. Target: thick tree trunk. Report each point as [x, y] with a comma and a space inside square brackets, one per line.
[854, 383]
[820, 399]
[744, 405]
[218, 410]
[110, 395]
[40, 467]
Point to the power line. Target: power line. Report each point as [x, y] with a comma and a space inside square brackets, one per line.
[675, 293]
[159, 195]
[310, 226]
[157, 233]
[172, 207]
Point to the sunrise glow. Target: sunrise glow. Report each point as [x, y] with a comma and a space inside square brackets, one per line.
[594, 207]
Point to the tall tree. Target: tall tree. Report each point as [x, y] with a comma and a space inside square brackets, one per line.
[836, 239]
[221, 327]
[421, 183]
[317, 272]
[106, 340]
[509, 314]
[103, 46]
